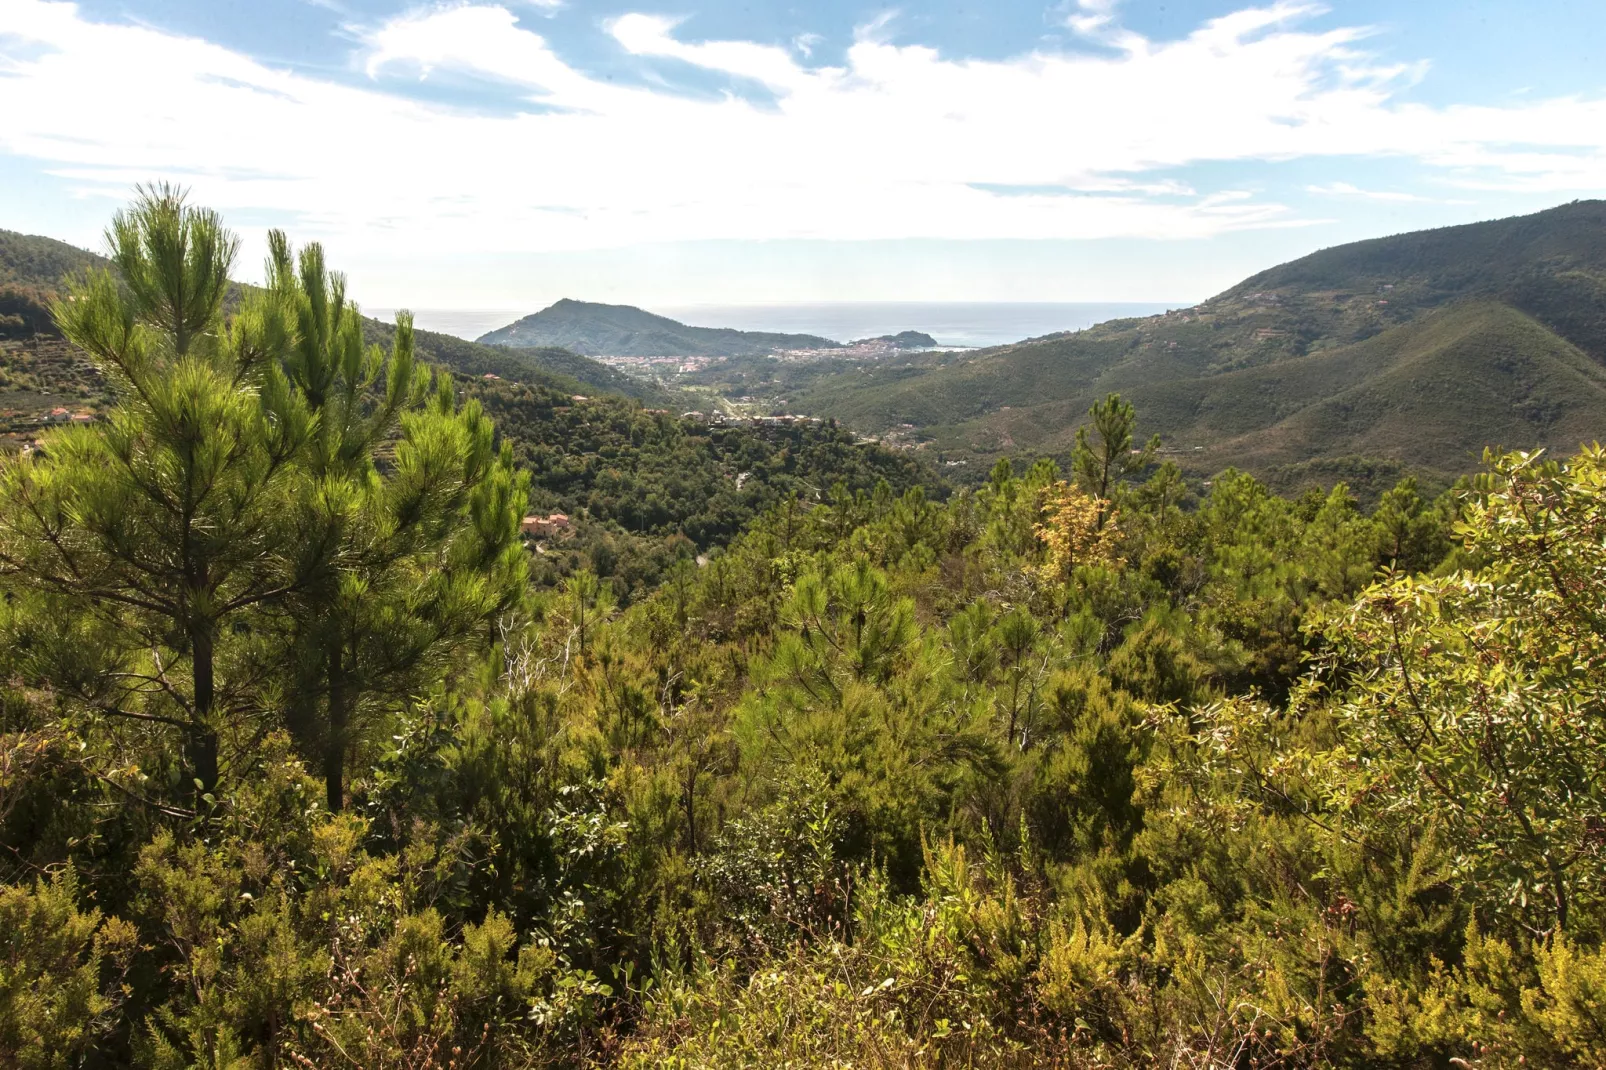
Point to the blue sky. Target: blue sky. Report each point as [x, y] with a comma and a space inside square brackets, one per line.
[503, 153]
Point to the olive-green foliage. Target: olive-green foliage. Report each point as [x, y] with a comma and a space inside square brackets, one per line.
[1468, 700]
[882, 780]
[59, 968]
[653, 473]
[333, 952]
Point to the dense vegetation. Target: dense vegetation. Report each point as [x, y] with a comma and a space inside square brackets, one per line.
[645, 488]
[25, 310]
[653, 472]
[648, 489]
[299, 768]
[32, 260]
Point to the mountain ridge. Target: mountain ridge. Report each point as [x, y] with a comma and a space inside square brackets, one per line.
[901, 340]
[595, 329]
[1414, 350]
[1456, 338]
[34, 268]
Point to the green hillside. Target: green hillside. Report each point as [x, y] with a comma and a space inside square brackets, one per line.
[1417, 350]
[651, 473]
[644, 486]
[1502, 374]
[551, 367]
[33, 260]
[1448, 262]
[39, 371]
[627, 331]
[36, 367]
[32, 270]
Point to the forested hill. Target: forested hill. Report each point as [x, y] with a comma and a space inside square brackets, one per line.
[627, 331]
[644, 487]
[1450, 262]
[902, 340]
[651, 472]
[1416, 350]
[34, 260]
[34, 269]
[551, 367]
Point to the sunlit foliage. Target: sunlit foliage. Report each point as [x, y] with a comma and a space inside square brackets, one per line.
[1115, 772]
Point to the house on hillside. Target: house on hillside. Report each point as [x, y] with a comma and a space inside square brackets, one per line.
[544, 527]
[58, 415]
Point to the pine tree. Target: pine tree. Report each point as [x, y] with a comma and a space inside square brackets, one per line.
[1101, 469]
[141, 547]
[425, 548]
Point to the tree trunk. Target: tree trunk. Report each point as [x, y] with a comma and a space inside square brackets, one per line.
[200, 751]
[201, 747]
[691, 809]
[1014, 705]
[334, 754]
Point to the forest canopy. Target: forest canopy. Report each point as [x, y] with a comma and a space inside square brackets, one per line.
[305, 761]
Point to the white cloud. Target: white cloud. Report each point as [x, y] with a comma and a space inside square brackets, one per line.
[483, 40]
[1096, 20]
[900, 141]
[653, 35]
[1345, 189]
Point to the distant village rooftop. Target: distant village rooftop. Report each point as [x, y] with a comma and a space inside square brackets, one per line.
[536, 526]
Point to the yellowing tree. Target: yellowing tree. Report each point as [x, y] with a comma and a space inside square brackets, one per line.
[1075, 529]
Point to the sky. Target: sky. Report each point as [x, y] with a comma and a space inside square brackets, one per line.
[505, 153]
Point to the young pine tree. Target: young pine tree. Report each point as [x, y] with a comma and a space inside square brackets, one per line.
[1101, 468]
[137, 551]
[425, 547]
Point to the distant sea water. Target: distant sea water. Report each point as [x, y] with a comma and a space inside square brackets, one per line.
[954, 323]
[951, 323]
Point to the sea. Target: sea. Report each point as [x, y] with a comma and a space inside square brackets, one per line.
[951, 323]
